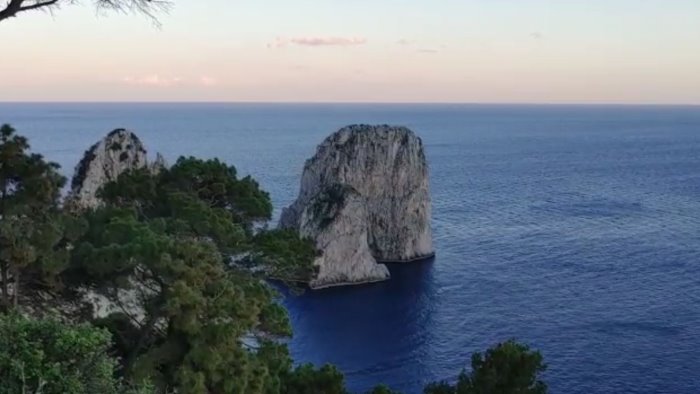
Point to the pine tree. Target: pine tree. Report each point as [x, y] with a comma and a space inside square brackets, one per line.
[175, 243]
[32, 231]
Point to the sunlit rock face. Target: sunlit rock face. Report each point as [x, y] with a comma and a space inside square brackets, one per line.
[118, 152]
[386, 167]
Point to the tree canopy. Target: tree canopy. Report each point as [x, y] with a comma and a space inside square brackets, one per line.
[34, 234]
[507, 368]
[45, 356]
[174, 250]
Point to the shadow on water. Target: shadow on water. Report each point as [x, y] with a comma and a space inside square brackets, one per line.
[384, 321]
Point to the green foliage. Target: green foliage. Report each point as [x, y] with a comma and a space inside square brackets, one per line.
[45, 356]
[201, 324]
[305, 379]
[216, 183]
[507, 368]
[285, 255]
[196, 310]
[382, 389]
[441, 388]
[205, 199]
[34, 235]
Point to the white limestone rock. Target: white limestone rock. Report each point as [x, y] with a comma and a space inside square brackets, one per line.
[386, 165]
[120, 151]
[158, 165]
[336, 218]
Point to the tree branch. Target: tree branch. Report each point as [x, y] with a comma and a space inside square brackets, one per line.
[38, 4]
[146, 7]
[11, 9]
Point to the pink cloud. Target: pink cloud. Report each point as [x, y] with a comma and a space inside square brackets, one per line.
[329, 41]
[318, 41]
[152, 80]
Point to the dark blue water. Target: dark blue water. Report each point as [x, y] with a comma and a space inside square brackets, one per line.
[574, 229]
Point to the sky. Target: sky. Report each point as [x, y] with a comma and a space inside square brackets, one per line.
[470, 51]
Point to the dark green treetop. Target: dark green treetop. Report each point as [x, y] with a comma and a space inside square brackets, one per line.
[507, 368]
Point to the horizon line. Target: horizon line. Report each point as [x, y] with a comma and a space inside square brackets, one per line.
[485, 103]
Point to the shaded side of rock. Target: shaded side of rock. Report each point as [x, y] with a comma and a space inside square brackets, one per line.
[336, 218]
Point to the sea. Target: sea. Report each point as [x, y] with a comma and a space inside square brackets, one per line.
[573, 229]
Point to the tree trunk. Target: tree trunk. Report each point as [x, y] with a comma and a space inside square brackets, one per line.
[145, 331]
[15, 297]
[4, 278]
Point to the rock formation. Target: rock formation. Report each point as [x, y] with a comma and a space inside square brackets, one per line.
[337, 219]
[120, 151]
[386, 175]
[159, 164]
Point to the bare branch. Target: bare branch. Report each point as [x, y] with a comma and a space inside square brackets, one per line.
[150, 8]
[38, 4]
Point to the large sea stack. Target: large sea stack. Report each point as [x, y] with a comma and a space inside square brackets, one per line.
[120, 151]
[365, 185]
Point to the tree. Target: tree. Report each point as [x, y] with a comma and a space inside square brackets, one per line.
[164, 249]
[45, 356]
[34, 235]
[14, 7]
[507, 368]
[382, 389]
[305, 379]
[205, 199]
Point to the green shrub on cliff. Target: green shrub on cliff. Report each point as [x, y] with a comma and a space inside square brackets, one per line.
[48, 357]
[507, 368]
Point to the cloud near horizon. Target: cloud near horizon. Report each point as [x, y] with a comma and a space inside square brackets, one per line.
[156, 80]
[318, 41]
[152, 80]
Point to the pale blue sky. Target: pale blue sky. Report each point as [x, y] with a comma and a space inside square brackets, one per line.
[619, 51]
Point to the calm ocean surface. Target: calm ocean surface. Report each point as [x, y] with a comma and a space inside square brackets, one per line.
[575, 229]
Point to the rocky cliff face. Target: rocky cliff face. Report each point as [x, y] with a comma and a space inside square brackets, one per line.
[336, 218]
[120, 151]
[386, 166]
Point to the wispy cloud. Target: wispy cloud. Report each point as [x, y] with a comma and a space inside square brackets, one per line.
[427, 50]
[404, 42]
[160, 81]
[318, 41]
[536, 35]
[153, 80]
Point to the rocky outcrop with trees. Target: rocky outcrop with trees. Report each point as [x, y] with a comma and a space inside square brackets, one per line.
[119, 152]
[383, 170]
[158, 248]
